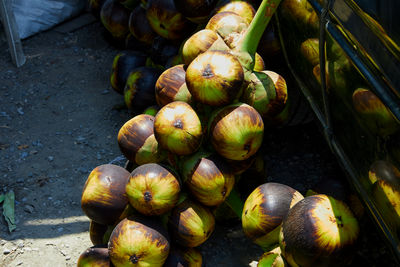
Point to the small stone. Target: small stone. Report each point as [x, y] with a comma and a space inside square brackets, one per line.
[29, 208]
[20, 111]
[6, 251]
[67, 257]
[19, 263]
[50, 158]
[106, 91]
[60, 229]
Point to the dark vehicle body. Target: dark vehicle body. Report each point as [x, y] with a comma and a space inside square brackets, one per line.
[345, 57]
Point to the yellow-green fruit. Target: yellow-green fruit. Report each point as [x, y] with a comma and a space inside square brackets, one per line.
[139, 241]
[319, 231]
[191, 223]
[208, 178]
[103, 197]
[178, 129]
[200, 42]
[215, 78]
[264, 211]
[137, 142]
[310, 50]
[94, 257]
[152, 189]
[272, 258]
[373, 113]
[236, 131]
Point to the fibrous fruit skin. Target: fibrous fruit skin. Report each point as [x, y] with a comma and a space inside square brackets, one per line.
[190, 223]
[137, 142]
[171, 86]
[319, 231]
[152, 189]
[215, 78]
[229, 25]
[103, 197]
[139, 241]
[178, 129]
[208, 178]
[236, 131]
[264, 210]
[96, 256]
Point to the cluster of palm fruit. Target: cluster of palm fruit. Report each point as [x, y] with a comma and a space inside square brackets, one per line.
[197, 129]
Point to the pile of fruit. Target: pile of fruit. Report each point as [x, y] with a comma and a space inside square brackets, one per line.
[195, 135]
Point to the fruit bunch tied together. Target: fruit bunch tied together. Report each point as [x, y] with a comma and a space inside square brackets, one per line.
[197, 127]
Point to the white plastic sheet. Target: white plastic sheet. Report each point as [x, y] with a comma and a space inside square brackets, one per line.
[33, 16]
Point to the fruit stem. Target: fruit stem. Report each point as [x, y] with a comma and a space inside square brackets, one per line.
[252, 36]
[235, 203]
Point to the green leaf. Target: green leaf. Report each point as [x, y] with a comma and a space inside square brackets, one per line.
[8, 209]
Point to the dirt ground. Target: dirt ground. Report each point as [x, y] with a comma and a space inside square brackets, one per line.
[58, 121]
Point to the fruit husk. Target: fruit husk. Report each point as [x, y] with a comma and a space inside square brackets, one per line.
[166, 20]
[196, 11]
[178, 129]
[184, 257]
[96, 232]
[140, 27]
[200, 42]
[228, 25]
[139, 89]
[137, 142]
[96, 256]
[123, 63]
[115, 18]
[242, 8]
[139, 241]
[236, 131]
[152, 189]
[264, 210]
[171, 86]
[272, 258]
[190, 223]
[215, 78]
[319, 231]
[208, 178]
[103, 197]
